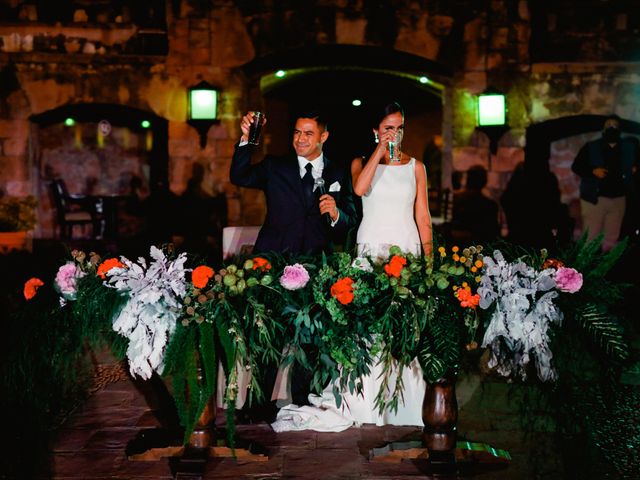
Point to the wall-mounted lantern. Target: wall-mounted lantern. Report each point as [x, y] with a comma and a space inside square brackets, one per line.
[203, 109]
[492, 116]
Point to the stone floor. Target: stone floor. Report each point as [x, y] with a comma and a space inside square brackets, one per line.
[93, 440]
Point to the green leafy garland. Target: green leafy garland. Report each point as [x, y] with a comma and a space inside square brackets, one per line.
[347, 314]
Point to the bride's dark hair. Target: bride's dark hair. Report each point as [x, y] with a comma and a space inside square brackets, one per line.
[383, 111]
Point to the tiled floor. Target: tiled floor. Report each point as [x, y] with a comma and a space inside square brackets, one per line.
[92, 443]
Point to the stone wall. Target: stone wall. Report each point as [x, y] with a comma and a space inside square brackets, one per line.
[114, 56]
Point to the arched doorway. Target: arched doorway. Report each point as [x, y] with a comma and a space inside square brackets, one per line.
[553, 145]
[97, 149]
[331, 77]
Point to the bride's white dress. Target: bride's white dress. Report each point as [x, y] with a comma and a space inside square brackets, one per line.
[388, 219]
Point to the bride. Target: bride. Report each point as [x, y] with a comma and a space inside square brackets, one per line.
[395, 212]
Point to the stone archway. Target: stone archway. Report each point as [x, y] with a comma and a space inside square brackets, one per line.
[330, 77]
[97, 149]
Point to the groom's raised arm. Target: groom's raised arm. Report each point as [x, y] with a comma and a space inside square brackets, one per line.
[243, 173]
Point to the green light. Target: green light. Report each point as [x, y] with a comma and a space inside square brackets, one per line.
[204, 104]
[69, 122]
[145, 123]
[424, 79]
[356, 102]
[280, 73]
[491, 109]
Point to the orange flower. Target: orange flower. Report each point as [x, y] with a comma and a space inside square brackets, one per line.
[395, 265]
[261, 263]
[552, 263]
[31, 287]
[107, 265]
[467, 300]
[342, 290]
[201, 275]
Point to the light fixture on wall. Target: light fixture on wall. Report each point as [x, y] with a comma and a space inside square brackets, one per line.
[202, 109]
[491, 106]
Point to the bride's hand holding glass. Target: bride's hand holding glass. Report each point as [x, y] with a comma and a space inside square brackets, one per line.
[382, 149]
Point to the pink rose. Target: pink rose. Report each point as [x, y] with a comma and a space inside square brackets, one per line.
[294, 277]
[568, 279]
[67, 277]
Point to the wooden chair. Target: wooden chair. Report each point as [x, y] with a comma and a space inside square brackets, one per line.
[75, 210]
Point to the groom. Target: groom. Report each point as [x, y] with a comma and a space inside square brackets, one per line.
[296, 220]
[300, 219]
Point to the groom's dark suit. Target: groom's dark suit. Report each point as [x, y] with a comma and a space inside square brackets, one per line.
[292, 226]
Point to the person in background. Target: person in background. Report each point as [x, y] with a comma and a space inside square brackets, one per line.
[606, 168]
[475, 215]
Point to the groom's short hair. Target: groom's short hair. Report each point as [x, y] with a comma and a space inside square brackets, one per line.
[316, 115]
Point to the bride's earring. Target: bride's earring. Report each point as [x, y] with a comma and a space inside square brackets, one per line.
[375, 137]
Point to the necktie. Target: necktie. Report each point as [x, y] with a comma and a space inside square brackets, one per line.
[307, 186]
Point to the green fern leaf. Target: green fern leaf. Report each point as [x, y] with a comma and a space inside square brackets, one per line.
[604, 330]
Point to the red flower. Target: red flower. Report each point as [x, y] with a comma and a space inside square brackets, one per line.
[395, 265]
[467, 300]
[261, 263]
[31, 287]
[342, 290]
[201, 275]
[107, 265]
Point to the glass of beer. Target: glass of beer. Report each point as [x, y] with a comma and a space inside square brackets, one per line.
[255, 130]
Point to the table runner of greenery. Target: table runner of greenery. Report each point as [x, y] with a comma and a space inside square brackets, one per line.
[334, 314]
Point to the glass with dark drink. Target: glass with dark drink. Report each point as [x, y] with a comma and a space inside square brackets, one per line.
[255, 130]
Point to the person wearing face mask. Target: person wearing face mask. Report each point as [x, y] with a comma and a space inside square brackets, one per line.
[606, 167]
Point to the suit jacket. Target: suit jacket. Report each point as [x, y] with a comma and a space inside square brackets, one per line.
[291, 226]
[591, 155]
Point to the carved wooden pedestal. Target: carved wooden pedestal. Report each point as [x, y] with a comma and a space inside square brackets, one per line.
[437, 448]
[189, 462]
[440, 417]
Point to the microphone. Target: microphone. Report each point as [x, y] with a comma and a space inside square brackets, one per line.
[318, 184]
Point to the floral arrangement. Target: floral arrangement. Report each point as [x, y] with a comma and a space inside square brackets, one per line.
[524, 312]
[336, 315]
[150, 315]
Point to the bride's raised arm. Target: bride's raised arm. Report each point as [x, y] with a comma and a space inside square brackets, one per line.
[362, 176]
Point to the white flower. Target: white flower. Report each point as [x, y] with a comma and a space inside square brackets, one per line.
[148, 319]
[524, 311]
[362, 263]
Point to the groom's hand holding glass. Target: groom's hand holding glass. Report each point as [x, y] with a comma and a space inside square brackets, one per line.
[245, 125]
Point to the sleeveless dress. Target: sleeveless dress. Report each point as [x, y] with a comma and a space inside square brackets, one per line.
[388, 212]
[388, 219]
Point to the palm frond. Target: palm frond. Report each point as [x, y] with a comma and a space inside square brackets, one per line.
[604, 330]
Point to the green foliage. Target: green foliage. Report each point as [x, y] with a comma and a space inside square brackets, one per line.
[604, 331]
[351, 313]
[45, 372]
[440, 347]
